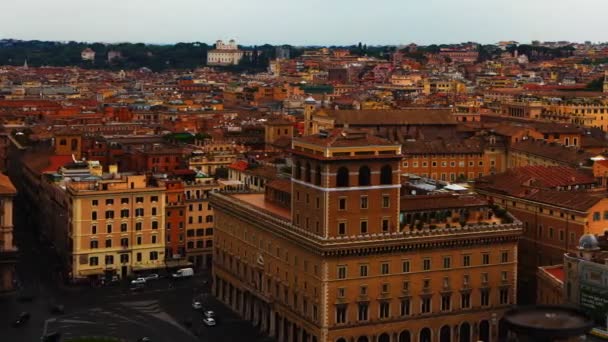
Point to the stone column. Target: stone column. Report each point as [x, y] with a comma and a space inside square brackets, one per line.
[272, 324]
[281, 337]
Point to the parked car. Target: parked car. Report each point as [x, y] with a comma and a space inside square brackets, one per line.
[197, 305]
[140, 280]
[209, 314]
[144, 339]
[183, 273]
[210, 322]
[24, 317]
[152, 276]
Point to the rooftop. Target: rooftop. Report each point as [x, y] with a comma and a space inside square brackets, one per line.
[258, 200]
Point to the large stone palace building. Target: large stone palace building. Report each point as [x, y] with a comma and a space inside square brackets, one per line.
[341, 261]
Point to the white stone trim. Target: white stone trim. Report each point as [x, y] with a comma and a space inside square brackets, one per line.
[349, 188]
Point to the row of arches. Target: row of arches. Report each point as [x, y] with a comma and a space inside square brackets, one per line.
[462, 333]
[343, 175]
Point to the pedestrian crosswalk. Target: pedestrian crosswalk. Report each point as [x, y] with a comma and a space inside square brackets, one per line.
[127, 320]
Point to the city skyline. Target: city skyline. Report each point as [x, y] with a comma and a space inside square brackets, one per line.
[281, 22]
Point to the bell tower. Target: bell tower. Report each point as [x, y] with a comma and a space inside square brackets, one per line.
[309, 107]
[345, 184]
[68, 142]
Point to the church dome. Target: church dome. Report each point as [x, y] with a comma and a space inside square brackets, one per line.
[588, 242]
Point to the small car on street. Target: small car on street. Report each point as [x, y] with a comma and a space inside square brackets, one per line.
[24, 317]
[140, 280]
[210, 322]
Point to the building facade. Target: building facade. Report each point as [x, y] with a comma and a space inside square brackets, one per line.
[116, 227]
[337, 265]
[224, 54]
[8, 250]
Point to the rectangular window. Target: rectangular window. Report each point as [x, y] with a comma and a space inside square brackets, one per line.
[504, 256]
[466, 260]
[385, 225]
[426, 264]
[93, 261]
[363, 227]
[109, 201]
[485, 258]
[446, 302]
[139, 200]
[123, 227]
[341, 228]
[341, 272]
[124, 201]
[386, 201]
[447, 262]
[465, 300]
[484, 297]
[384, 268]
[363, 290]
[341, 314]
[138, 257]
[153, 255]
[385, 309]
[109, 259]
[405, 307]
[94, 203]
[363, 270]
[364, 204]
[109, 214]
[124, 258]
[153, 199]
[405, 266]
[425, 305]
[596, 216]
[341, 292]
[504, 296]
[342, 203]
[363, 312]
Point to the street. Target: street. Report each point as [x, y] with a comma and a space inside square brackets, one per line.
[161, 311]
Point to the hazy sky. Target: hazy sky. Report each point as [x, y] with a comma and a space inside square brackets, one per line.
[304, 22]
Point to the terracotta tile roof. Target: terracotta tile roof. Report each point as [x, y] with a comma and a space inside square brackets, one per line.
[556, 271]
[374, 117]
[553, 151]
[283, 185]
[435, 202]
[6, 186]
[345, 138]
[442, 146]
[266, 172]
[547, 177]
[239, 165]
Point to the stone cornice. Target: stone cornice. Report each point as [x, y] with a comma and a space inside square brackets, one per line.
[372, 243]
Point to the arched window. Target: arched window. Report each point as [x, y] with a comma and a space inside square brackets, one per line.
[318, 175]
[298, 170]
[384, 338]
[404, 336]
[425, 335]
[445, 334]
[386, 175]
[342, 177]
[307, 171]
[484, 331]
[363, 339]
[364, 176]
[341, 340]
[465, 332]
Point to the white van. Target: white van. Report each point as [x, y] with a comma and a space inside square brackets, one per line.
[183, 273]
